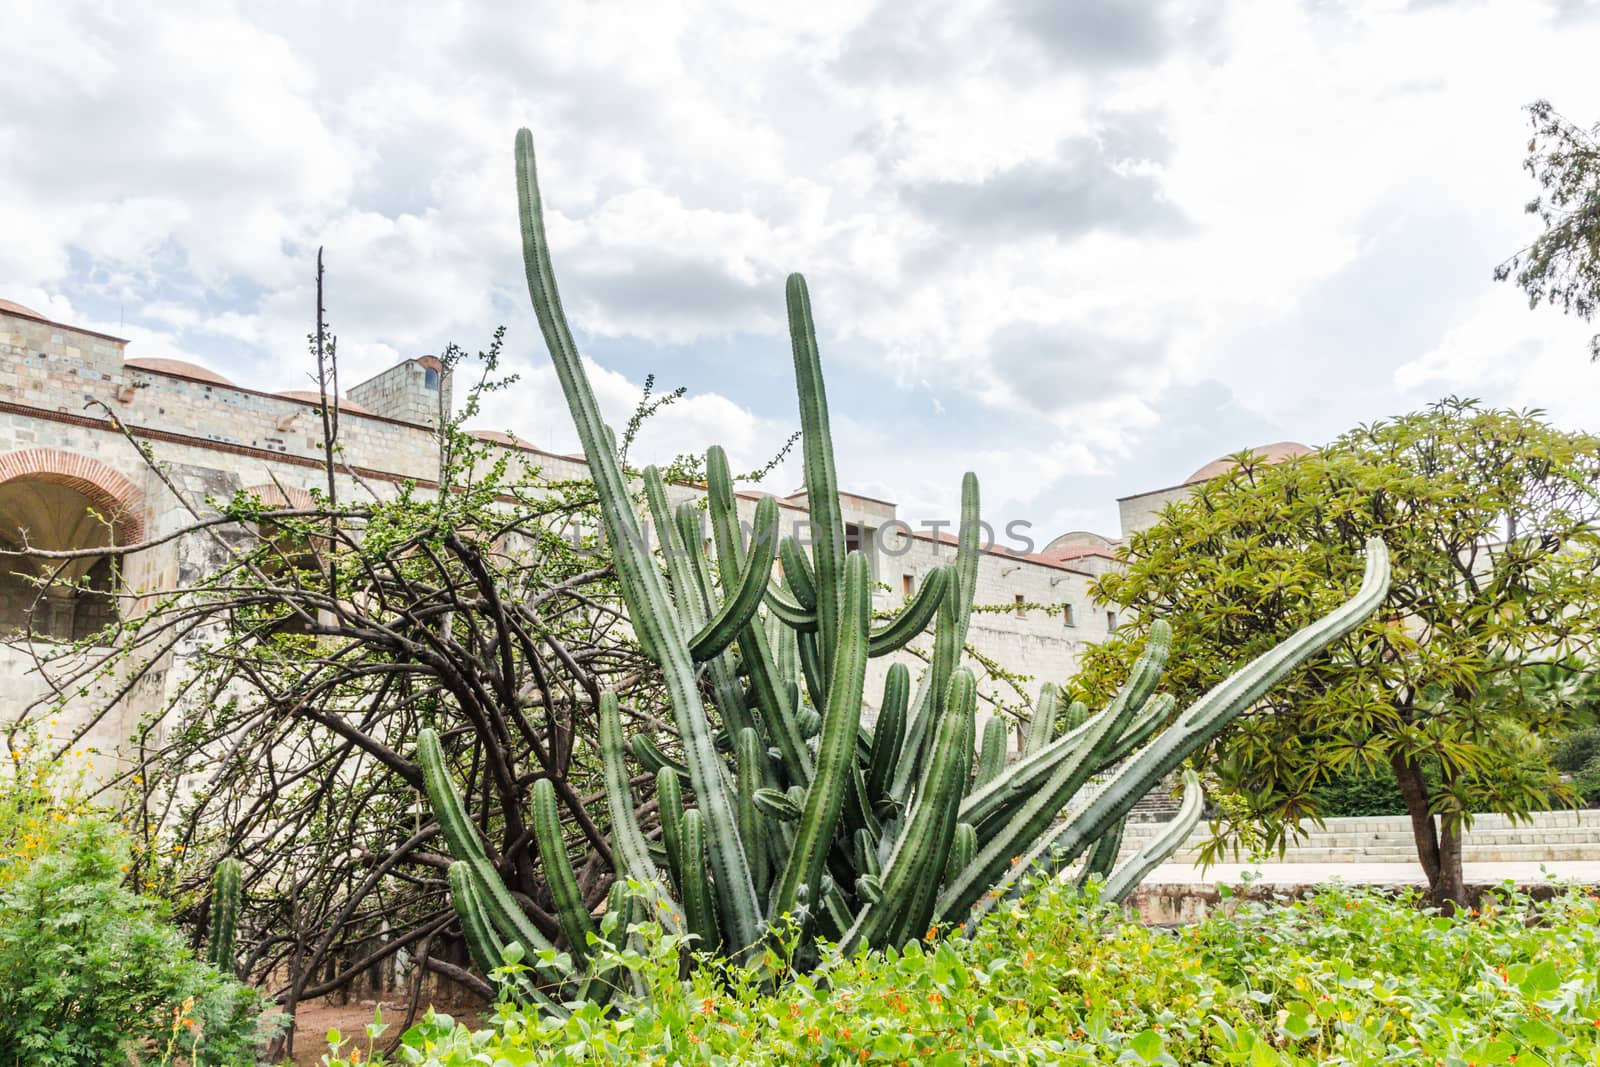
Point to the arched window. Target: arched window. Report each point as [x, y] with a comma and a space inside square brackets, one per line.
[51, 599]
[62, 501]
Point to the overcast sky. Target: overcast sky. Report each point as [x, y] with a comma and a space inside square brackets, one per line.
[1080, 248]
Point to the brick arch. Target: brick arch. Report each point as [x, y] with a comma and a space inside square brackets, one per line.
[108, 489]
[281, 496]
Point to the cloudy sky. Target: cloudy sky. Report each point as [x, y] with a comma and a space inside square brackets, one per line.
[1080, 248]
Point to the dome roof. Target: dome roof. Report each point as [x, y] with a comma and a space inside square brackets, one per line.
[180, 367]
[499, 437]
[1277, 452]
[306, 395]
[20, 309]
[1078, 543]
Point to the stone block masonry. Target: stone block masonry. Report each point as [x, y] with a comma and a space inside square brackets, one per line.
[70, 398]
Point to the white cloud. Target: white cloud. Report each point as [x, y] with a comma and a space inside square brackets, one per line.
[1151, 192]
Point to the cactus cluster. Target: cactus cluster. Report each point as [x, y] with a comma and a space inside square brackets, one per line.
[786, 804]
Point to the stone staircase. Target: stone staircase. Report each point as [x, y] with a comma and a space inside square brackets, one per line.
[1545, 837]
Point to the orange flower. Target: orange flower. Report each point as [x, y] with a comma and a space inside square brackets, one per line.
[708, 1006]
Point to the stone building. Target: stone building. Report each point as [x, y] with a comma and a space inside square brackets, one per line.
[76, 408]
[1142, 510]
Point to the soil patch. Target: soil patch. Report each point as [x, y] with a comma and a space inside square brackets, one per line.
[314, 1020]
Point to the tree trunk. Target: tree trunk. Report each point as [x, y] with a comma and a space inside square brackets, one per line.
[1439, 853]
[1450, 891]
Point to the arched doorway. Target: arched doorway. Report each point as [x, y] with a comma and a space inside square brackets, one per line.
[62, 502]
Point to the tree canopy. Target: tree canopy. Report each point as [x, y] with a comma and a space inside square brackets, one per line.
[1490, 518]
[1562, 266]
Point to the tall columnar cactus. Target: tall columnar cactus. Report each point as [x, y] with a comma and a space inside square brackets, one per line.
[227, 894]
[786, 805]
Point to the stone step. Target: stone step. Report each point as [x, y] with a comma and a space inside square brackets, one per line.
[1586, 821]
[1546, 837]
[1469, 854]
[1387, 840]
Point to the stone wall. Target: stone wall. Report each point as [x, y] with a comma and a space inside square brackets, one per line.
[72, 392]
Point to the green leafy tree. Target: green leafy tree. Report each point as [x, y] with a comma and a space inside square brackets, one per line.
[1490, 520]
[1562, 266]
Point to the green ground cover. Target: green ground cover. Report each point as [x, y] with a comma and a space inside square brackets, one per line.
[1345, 977]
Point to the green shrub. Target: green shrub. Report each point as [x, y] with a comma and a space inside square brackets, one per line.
[1347, 976]
[1360, 792]
[92, 975]
[1586, 783]
[1575, 752]
[37, 808]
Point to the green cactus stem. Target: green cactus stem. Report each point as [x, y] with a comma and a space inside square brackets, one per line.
[1167, 841]
[825, 796]
[1043, 726]
[227, 891]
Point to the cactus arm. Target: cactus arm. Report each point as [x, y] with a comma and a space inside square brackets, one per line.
[918, 716]
[865, 856]
[836, 915]
[669, 805]
[1142, 729]
[1164, 844]
[727, 694]
[649, 754]
[723, 506]
[750, 755]
[558, 873]
[785, 648]
[920, 851]
[507, 917]
[963, 847]
[1226, 700]
[448, 810]
[650, 609]
[913, 617]
[699, 909]
[811, 667]
[793, 615]
[619, 904]
[1024, 780]
[836, 749]
[1008, 839]
[932, 691]
[227, 890]
[797, 572]
[503, 911]
[689, 599]
[775, 804]
[822, 484]
[1210, 713]
[483, 944]
[780, 704]
[739, 608]
[628, 842]
[1044, 719]
[1076, 715]
[992, 761]
[858, 813]
[1103, 854]
[889, 732]
[961, 705]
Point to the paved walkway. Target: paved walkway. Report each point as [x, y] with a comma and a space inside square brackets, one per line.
[1585, 871]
